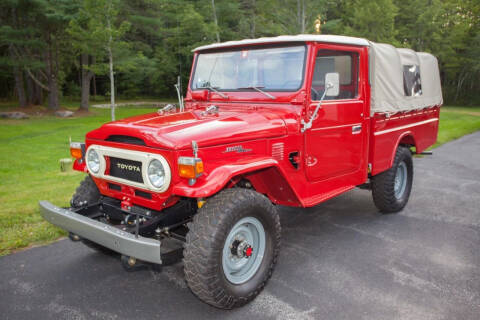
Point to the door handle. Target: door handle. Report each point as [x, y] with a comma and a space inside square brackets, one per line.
[356, 129]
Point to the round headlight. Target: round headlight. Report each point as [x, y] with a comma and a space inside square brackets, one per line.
[93, 161]
[156, 173]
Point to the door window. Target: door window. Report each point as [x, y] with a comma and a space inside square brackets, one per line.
[342, 62]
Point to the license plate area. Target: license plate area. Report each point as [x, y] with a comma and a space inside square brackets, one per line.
[126, 169]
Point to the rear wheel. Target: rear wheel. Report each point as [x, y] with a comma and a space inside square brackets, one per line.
[232, 248]
[391, 189]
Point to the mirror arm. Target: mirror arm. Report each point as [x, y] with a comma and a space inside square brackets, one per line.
[308, 125]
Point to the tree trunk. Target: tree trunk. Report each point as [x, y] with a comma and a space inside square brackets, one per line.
[53, 95]
[299, 23]
[17, 72]
[112, 83]
[215, 20]
[85, 96]
[80, 71]
[86, 80]
[112, 80]
[253, 26]
[94, 87]
[19, 87]
[30, 90]
[303, 17]
[34, 92]
[38, 94]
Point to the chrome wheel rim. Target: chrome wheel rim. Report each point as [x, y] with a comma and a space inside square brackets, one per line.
[400, 180]
[243, 250]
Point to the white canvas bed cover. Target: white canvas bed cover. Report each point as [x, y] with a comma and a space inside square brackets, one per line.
[386, 79]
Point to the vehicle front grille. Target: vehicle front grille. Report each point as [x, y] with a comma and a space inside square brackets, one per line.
[126, 169]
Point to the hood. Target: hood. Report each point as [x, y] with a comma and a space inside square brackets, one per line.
[177, 130]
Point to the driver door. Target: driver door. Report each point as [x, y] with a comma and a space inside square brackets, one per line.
[334, 146]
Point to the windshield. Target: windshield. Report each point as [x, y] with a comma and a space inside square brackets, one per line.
[271, 69]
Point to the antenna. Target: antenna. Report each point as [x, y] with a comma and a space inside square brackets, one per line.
[178, 87]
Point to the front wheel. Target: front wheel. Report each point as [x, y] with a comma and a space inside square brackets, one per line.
[232, 248]
[391, 189]
[86, 194]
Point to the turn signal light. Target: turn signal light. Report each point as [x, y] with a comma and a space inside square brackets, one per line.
[77, 150]
[189, 167]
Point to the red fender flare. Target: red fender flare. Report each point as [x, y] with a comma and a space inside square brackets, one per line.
[397, 144]
[219, 177]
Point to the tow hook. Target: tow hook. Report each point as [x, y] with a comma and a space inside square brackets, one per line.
[74, 237]
[126, 204]
[132, 264]
[129, 263]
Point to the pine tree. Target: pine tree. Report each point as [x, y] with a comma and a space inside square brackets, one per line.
[35, 34]
[99, 27]
[371, 19]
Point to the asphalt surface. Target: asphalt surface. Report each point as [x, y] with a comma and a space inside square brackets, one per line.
[340, 260]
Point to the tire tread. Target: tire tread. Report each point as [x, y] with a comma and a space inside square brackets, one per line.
[382, 184]
[202, 245]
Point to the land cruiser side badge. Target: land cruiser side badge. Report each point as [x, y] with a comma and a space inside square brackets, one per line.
[237, 149]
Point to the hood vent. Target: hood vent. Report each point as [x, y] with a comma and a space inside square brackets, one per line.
[126, 139]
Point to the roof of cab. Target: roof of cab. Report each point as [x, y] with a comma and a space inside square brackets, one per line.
[296, 38]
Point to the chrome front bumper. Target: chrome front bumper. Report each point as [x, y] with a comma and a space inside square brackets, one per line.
[142, 248]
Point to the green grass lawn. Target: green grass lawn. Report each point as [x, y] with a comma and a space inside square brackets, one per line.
[30, 171]
[456, 122]
[29, 168]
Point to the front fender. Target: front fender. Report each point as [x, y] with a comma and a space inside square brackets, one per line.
[80, 165]
[219, 177]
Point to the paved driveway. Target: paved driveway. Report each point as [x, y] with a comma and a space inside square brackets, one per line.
[340, 260]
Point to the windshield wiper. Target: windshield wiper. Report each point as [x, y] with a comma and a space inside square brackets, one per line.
[223, 95]
[259, 90]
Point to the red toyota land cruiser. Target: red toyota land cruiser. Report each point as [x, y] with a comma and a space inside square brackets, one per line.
[289, 120]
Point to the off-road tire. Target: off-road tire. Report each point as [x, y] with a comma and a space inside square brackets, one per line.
[383, 184]
[206, 238]
[87, 193]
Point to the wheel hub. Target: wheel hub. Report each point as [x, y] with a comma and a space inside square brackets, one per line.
[400, 181]
[243, 250]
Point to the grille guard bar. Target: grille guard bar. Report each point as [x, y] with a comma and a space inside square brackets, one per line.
[142, 248]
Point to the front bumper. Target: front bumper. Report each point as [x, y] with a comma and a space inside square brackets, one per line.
[142, 248]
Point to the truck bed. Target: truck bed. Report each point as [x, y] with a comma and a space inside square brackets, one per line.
[417, 128]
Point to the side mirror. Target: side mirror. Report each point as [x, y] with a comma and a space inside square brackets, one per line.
[332, 89]
[332, 84]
